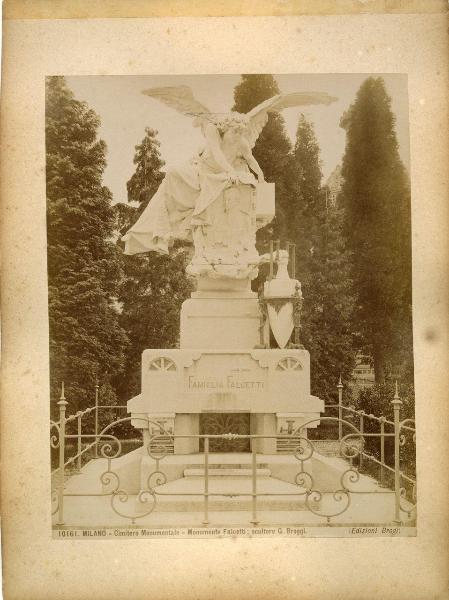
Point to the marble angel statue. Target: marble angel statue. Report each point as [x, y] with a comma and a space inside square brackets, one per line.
[181, 208]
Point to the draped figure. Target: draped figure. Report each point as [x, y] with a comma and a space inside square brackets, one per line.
[210, 200]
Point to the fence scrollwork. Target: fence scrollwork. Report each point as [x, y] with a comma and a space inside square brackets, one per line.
[143, 497]
[54, 437]
[158, 443]
[314, 498]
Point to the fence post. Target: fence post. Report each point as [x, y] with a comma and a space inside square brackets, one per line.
[340, 409]
[382, 450]
[62, 404]
[206, 481]
[96, 419]
[254, 520]
[361, 429]
[396, 402]
[78, 465]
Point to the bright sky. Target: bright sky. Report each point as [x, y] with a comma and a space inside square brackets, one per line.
[125, 113]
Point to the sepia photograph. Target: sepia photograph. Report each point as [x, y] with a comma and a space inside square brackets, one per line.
[230, 305]
[224, 299]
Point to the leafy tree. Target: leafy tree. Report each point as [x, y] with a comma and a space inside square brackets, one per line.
[376, 199]
[154, 286]
[323, 268]
[124, 216]
[86, 340]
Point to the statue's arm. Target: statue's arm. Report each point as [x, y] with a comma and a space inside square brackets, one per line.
[251, 161]
[213, 143]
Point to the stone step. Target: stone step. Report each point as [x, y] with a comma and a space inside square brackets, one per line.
[227, 502]
[227, 494]
[223, 465]
[226, 472]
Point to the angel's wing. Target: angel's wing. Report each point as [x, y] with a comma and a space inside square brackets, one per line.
[258, 116]
[180, 98]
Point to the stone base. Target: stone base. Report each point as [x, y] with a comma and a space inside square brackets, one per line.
[264, 424]
[369, 505]
[220, 319]
[225, 284]
[228, 492]
[226, 380]
[186, 424]
[270, 387]
[166, 430]
[235, 466]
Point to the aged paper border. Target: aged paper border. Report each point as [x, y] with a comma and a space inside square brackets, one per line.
[113, 9]
[38, 567]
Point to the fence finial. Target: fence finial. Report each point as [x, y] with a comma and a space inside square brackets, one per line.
[396, 400]
[62, 397]
[339, 385]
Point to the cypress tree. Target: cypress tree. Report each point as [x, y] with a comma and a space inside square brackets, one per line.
[148, 175]
[303, 214]
[86, 340]
[376, 200]
[323, 269]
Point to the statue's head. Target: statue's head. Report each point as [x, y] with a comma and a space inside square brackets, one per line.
[235, 121]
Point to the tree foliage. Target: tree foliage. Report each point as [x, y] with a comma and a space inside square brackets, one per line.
[86, 340]
[148, 175]
[376, 201]
[377, 400]
[301, 217]
[272, 149]
[154, 286]
[323, 265]
[273, 153]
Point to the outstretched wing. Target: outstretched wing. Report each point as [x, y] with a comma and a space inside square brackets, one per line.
[180, 98]
[258, 116]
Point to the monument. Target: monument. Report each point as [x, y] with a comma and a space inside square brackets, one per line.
[224, 378]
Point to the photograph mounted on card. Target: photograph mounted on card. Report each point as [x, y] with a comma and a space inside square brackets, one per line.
[227, 349]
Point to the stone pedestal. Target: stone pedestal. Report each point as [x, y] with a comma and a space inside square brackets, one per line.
[186, 424]
[220, 319]
[220, 368]
[271, 385]
[264, 424]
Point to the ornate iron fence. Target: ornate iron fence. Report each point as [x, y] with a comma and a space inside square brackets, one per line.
[351, 447]
[399, 431]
